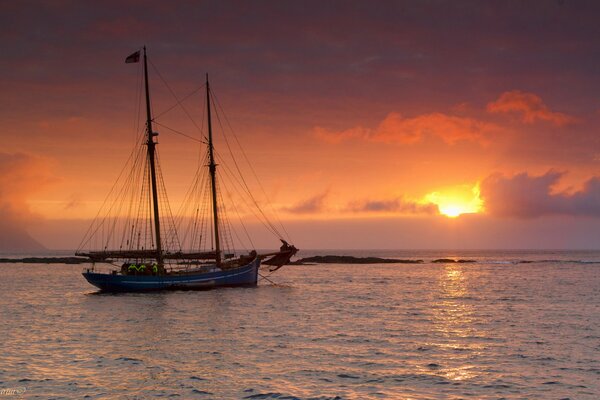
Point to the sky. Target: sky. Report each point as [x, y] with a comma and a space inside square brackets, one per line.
[394, 124]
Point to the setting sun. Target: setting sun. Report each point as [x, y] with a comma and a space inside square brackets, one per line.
[453, 202]
[453, 210]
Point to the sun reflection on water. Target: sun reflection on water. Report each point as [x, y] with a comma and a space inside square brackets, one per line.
[454, 321]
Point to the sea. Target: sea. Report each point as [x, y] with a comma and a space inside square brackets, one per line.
[510, 325]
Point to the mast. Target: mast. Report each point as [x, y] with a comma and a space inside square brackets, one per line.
[213, 180]
[151, 158]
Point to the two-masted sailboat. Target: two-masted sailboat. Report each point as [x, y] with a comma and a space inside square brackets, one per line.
[150, 255]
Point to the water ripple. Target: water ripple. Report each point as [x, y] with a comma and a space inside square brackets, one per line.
[482, 330]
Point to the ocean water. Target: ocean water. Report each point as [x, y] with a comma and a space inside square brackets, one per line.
[513, 325]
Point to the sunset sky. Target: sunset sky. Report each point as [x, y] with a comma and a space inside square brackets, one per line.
[421, 124]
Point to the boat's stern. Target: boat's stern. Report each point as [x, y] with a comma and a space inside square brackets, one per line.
[115, 282]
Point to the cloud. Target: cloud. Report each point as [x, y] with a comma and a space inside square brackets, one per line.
[73, 202]
[399, 130]
[312, 205]
[399, 206]
[530, 107]
[526, 196]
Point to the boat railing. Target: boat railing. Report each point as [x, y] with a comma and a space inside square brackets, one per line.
[100, 268]
[147, 266]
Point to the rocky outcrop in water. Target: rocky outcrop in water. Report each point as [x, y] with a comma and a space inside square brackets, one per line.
[450, 260]
[46, 260]
[352, 260]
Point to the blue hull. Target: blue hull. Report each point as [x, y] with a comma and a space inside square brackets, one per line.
[246, 275]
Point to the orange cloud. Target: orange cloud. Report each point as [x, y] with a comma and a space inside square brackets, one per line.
[530, 106]
[396, 129]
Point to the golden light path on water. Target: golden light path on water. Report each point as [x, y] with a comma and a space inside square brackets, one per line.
[454, 319]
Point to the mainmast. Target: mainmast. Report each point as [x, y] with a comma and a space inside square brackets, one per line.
[213, 180]
[151, 158]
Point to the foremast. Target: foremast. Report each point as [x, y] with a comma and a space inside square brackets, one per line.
[212, 166]
[152, 164]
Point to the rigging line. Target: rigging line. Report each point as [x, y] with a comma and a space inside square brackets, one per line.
[222, 223]
[116, 206]
[161, 201]
[114, 216]
[142, 213]
[235, 209]
[216, 100]
[242, 177]
[113, 226]
[242, 196]
[267, 279]
[207, 214]
[265, 221]
[138, 182]
[180, 133]
[212, 240]
[167, 205]
[130, 194]
[184, 98]
[120, 205]
[229, 174]
[149, 218]
[226, 222]
[95, 222]
[187, 197]
[202, 198]
[193, 229]
[136, 185]
[261, 215]
[139, 81]
[190, 199]
[223, 180]
[98, 221]
[175, 96]
[237, 236]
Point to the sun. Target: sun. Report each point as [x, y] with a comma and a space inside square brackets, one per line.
[456, 201]
[452, 210]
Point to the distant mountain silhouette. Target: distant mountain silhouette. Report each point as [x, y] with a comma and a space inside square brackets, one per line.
[17, 239]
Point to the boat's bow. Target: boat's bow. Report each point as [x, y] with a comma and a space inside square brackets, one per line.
[280, 258]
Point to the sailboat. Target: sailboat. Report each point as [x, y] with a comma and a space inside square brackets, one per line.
[146, 260]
